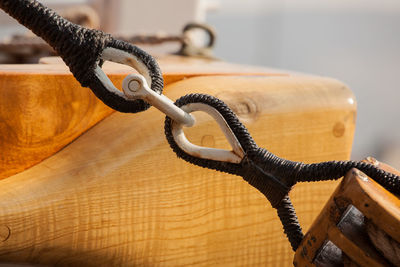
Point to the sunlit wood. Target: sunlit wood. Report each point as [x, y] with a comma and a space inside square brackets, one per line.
[118, 195]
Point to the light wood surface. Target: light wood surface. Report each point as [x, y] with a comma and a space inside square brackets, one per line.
[43, 108]
[118, 195]
[39, 115]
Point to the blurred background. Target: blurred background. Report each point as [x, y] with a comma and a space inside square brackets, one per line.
[355, 41]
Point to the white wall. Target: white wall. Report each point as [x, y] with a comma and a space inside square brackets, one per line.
[357, 42]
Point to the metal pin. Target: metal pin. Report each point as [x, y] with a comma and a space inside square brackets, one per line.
[135, 87]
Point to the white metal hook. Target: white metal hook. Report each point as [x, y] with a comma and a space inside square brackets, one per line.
[234, 156]
[135, 87]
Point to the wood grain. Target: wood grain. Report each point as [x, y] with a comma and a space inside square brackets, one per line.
[43, 108]
[39, 115]
[118, 196]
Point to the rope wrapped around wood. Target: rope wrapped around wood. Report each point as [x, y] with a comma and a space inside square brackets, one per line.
[81, 50]
[270, 174]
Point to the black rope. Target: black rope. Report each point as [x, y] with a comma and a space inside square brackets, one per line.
[291, 225]
[272, 175]
[81, 50]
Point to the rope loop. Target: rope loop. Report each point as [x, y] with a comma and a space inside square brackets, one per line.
[271, 175]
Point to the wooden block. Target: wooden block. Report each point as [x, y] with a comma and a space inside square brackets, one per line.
[118, 195]
[372, 239]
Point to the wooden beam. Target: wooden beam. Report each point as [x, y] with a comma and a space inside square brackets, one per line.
[118, 195]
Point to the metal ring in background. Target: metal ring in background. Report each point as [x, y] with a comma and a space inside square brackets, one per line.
[189, 48]
[207, 28]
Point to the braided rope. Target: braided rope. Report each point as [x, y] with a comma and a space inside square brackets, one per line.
[291, 225]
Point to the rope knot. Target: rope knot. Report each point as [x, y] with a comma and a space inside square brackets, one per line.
[271, 185]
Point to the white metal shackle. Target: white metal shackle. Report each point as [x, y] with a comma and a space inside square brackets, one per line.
[234, 156]
[135, 87]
